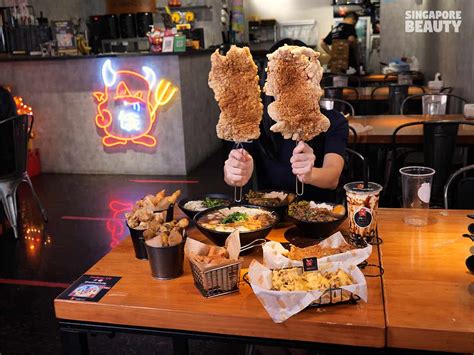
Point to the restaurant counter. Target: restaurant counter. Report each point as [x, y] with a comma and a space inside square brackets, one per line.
[149, 114]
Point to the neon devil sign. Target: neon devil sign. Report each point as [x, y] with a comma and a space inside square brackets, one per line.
[128, 107]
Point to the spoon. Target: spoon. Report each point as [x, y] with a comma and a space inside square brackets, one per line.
[470, 236]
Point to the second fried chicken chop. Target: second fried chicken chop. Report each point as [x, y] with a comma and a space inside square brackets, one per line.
[293, 77]
[234, 79]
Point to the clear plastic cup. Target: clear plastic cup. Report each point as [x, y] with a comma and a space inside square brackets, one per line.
[416, 190]
[362, 204]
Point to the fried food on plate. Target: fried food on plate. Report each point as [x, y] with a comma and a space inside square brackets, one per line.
[234, 79]
[293, 77]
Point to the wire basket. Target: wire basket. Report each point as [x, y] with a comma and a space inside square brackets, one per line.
[335, 296]
[219, 281]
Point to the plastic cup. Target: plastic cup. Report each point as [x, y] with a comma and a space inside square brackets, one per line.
[362, 204]
[416, 190]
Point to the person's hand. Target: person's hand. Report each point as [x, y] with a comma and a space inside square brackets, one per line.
[238, 167]
[302, 162]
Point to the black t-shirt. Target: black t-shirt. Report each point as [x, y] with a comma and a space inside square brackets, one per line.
[276, 173]
[343, 31]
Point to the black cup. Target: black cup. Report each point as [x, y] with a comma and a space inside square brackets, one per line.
[166, 262]
[138, 243]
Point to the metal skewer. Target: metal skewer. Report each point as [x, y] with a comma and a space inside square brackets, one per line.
[298, 192]
[238, 189]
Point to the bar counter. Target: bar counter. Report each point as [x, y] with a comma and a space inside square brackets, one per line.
[67, 93]
[423, 301]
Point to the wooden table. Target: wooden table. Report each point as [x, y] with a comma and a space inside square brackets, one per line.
[427, 302]
[176, 305]
[384, 125]
[365, 93]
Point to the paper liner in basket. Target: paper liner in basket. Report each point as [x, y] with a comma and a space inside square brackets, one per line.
[273, 253]
[281, 305]
[232, 244]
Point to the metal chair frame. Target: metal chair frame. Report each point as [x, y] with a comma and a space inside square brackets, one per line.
[341, 89]
[394, 109]
[392, 85]
[449, 96]
[349, 78]
[391, 153]
[344, 102]
[9, 184]
[451, 179]
[413, 73]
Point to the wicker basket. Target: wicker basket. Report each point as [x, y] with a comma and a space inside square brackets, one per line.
[218, 281]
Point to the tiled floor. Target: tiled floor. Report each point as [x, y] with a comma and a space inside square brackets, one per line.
[38, 266]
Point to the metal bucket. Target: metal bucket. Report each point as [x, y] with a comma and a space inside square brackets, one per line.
[166, 262]
[138, 243]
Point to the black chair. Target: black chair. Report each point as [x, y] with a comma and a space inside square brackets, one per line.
[337, 92]
[465, 189]
[396, 95]
[416, 76]
[352, 80]
[454, 104]
[356, 167]
[342, 106]
[20, 129]
[439, 143]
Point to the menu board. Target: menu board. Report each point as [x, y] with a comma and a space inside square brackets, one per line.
[89, 288]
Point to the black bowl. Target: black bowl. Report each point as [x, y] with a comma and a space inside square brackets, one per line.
[318, 230]
[245, 237]
[280, 209]
[190, 213]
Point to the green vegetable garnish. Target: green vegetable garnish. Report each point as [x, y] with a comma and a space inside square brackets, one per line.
[209, 202]
[235, 217]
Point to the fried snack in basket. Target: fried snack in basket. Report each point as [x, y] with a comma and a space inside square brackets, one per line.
[164, 234]
[317, 251]
[293, 77]
[234, 80]
[142, 213]
[294, 279]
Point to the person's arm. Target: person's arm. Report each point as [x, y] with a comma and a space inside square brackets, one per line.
[326, 42]
[238, 168]
[326, 177]
[325, 47]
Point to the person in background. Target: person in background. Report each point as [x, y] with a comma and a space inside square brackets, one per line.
[317, 163]
[344, 30]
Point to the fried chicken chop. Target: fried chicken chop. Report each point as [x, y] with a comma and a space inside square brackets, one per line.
[234, 79]
[293, 77]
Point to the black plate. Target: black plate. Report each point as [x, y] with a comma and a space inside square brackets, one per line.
[245, 237]
[280, 209]
[190, 213]
[318, 230]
